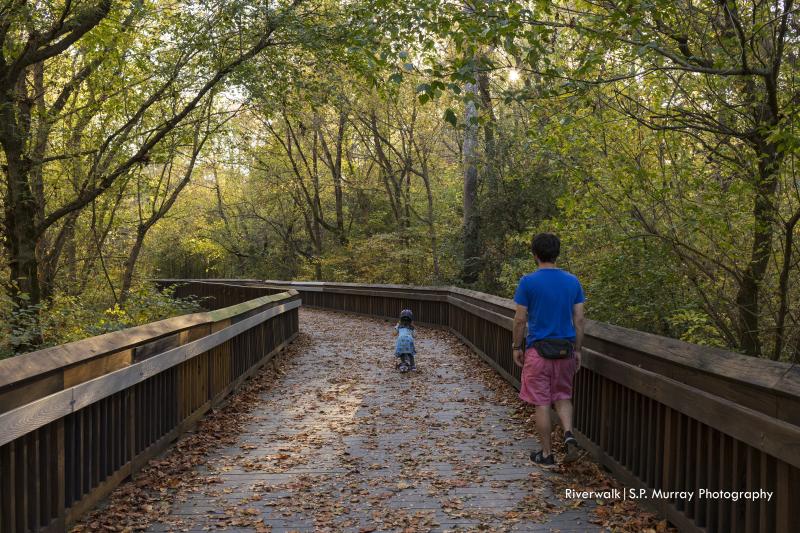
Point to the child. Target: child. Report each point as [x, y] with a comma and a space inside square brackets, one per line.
[404, 348]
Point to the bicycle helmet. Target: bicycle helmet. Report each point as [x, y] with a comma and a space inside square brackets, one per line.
[407, 314]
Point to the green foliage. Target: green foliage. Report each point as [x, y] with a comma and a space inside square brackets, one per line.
[335, 152]
[68, 318]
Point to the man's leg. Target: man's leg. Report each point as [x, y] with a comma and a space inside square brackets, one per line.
[564, 410]
[542, 418]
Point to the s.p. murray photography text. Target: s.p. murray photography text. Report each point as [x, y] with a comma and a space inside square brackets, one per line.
[659, 494]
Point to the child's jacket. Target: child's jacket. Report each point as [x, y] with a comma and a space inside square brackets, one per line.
[405, 340]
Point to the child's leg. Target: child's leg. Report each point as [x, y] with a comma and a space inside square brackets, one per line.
[413, 361]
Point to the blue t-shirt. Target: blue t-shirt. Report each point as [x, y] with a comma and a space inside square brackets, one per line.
[549, 294]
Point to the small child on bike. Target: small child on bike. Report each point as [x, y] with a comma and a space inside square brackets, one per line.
[405, 351]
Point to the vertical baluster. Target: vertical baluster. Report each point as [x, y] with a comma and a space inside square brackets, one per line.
[170, 403]
[597, 408]
[619, 431]
[605, 393]
[8, 475]
[691, 437]
[106, 441]
[679, 462]
[45, 474]
[85, 452]
[659, 445]
[21, 485]
[701, 472]
[739, 468]
[768, 483]
[752, 479]
[712, 478]
[163, 402]
[612, 415]
[668, 462]
[69, 458]
[141, 430]
[91, 448]
[151, 420]
[58, 459]
[129, 442]
[34, 479]
[725, 471]
[118, 420]
[650, 444]
[630, 416]
[636, 429]
[625, 426]
[787, 494]
[641, 459]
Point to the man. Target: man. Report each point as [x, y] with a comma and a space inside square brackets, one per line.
[550, 301]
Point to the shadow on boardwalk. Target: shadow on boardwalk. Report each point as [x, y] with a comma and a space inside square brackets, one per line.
[337, 440]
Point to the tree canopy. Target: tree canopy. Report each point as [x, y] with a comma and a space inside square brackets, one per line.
[415, 142]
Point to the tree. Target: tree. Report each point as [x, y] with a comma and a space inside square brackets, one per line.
[25, 136]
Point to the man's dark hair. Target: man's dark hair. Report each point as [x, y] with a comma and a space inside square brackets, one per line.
[546, 247]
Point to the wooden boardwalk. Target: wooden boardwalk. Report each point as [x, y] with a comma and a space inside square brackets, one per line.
[342, 442]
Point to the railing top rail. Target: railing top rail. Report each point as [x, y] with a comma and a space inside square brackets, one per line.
[776, 376]
[22, 367]
[23, 419]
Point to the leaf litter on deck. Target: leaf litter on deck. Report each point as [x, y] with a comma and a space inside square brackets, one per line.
[329, 437]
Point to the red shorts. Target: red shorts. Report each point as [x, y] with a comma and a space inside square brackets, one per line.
[545, 381]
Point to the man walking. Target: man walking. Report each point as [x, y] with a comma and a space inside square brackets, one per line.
[550, 301]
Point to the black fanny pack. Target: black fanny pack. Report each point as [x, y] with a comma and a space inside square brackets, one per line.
[554, 348]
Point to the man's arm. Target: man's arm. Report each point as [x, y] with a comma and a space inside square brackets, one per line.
[518, 338]
[578, 321]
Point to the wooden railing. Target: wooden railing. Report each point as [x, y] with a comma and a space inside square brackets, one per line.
[660, 413]
[77, 419]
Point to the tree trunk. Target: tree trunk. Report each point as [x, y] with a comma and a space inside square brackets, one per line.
[494, 229]
[783, 286]
[431, 220]
[130, 263]
[471, 225]
[21, 236]
[160, 212]
[20, 202]
[317, 208]
[337, 176]
[334, 164]
[490, 166]
[764, 213]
